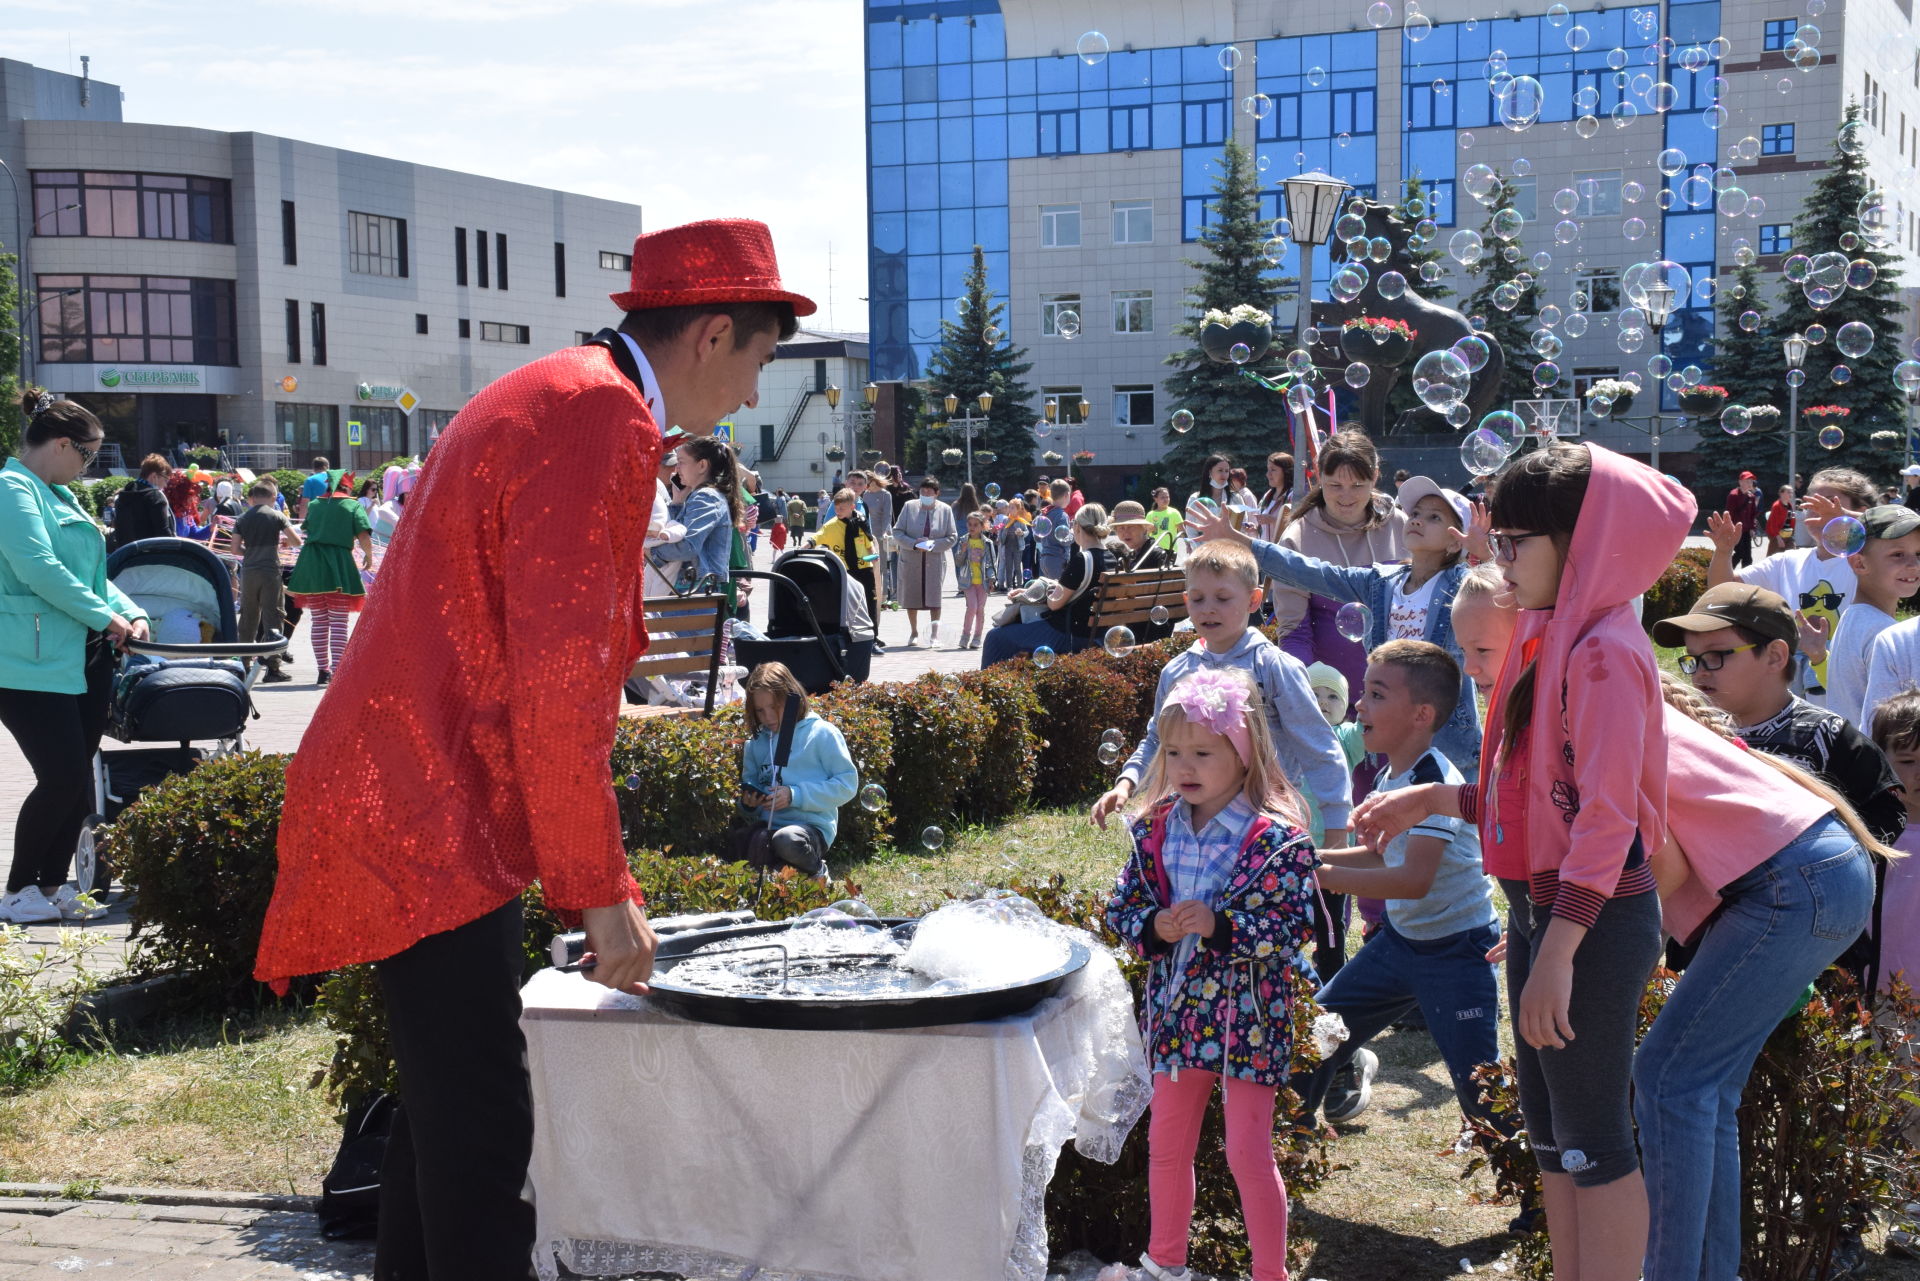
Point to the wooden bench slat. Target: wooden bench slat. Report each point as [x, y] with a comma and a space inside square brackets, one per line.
[680, 626]
[672, 666]
[1130, 617]
[657, 645]
[647, 711]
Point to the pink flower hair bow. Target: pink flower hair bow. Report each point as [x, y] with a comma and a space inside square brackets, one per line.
[1216, 701]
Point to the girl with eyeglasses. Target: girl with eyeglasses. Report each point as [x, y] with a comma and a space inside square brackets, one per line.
[60, 622]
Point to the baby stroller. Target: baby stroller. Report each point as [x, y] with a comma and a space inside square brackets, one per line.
[817, 621]
[180, 686]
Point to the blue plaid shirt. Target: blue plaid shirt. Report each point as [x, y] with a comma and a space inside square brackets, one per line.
[1198, 863]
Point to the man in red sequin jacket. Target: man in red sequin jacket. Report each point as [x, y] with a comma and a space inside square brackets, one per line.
[462, 750]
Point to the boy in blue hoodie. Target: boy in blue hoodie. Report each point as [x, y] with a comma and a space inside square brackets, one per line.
[799, 812]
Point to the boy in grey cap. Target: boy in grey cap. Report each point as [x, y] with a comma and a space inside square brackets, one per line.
[1887, 567]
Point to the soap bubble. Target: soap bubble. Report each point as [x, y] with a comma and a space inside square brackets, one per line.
[1257, 105]
[1392, 285]
[1159, 614]
[1634, 228]
[1566, 200]
[1546, 374]
[1519, 103]
[1357, 374]
[1229, 57]
[1466, 139]
[1749, 321]
[1481, 182]
[1861, 273]
[1473, 352]
[1522, 167]
[1379, 13]
[873, 798]
[1183, 421]
[1316, 76]
[1672, 161]
[1441, 379]
[1577, 38]
[1044, 657]
[632, 782]
[1067, 324]
[1852, 138]
[1092, 48]
[1482, 453]
[1587, 125]
[1503, 422]
[1841, 375]
[1113, 735]
[1557, 15]
[1735, 419]
[1465, 247]
[1109, 753]
[1119, 641]
[854, 908]
[1831, 437]
[1418, 27]
[1906, 375]
[1354, 621]
[1240, 353]
[1062, 532]
[933, 838]
[1815, 334]
[1508, 224]
[1854, 339]
[1843, 535]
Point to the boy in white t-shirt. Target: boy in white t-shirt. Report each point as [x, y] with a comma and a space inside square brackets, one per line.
[1887, 570]
[1816, 581]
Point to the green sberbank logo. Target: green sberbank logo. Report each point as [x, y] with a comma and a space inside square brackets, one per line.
[111, 377]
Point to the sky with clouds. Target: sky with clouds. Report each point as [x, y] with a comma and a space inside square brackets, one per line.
[689, 108]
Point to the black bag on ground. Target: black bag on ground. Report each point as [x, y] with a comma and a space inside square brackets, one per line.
[350, 1194]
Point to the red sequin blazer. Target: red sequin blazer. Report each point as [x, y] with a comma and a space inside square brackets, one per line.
[461, 751]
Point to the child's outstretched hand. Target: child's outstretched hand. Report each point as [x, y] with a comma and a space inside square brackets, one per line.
[1384, 815]
[1108, 803]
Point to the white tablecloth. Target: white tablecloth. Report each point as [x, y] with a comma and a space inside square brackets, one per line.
[662, 1144]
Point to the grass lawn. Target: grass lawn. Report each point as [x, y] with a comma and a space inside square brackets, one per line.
[228, 1106]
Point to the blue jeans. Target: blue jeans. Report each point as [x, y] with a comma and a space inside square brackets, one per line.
[1449, 978]
[1016, 639]
[1782, 924]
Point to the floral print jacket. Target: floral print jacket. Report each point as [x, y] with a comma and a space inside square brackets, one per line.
[1230, 1008]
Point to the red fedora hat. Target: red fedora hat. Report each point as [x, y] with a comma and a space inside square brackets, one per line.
[719, 260]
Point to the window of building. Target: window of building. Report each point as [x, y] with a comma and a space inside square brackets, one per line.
[317, 326]
[1584, 378]
[308, 429]
[500, 260]
[1526, 197]
[1779, 31]
[1052, 306]
[162, 320]
[1130, 129]
[1133, 406]
[559, 270]
[1353, 111]
[494, 331]
[138, 206]
[480, 257]
[610, 261]
[1133, 222]
[289, 241]
[1059, 226]
[376, 245]
[459, 255]
[1599, 192]
[464, 327]
[1065, 403]
[1059, 133]
[767, 441]
[1776, 140]
[1133, 311]
[1203, 124]
[293, 331]
[431, 422]
[382, 431]
[420, 322]
[1776, 238]
[1601, 285]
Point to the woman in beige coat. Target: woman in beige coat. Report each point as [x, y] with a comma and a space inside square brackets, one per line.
[924, 535]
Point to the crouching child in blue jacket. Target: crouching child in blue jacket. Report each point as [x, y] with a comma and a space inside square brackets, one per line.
[791, 820]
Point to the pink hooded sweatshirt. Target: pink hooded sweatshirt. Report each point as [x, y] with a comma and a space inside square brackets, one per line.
[1597, 748]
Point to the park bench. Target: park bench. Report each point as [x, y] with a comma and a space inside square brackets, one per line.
[684, 635]
[1129, 600]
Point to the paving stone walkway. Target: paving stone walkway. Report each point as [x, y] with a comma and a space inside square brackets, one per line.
[244, 1239]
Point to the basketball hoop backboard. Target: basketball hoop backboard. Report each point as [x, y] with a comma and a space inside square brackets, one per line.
[1548, 419]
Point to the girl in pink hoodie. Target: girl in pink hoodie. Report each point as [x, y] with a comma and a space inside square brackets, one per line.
[1772, 880]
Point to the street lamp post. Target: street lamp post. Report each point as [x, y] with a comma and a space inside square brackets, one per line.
[1313, 202]
[968, 423]
[1794, 347]
[1659, 310]
[854, 418]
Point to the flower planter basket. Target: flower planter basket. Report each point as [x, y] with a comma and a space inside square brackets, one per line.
[1703, 402]
[1218, 340]
[1379, 349]
[952, 455]
[836, 453]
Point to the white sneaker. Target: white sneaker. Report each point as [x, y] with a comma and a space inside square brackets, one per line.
[1159, 1273]
[75, 906]
[28, 906]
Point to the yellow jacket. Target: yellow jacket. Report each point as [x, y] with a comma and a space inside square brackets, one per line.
[834, 535]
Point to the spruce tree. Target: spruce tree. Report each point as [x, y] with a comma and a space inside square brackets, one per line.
[1829, 222]
[1749, 363]
[1503, 261]
[1232, 415]
[1408, 259]
[975, 356]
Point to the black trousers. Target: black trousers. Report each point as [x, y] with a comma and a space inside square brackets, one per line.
[451, 1207]
[864, 578]
[1743, 550]
[58, 734]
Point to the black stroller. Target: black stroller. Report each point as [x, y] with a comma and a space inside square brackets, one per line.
[182, 685]
[817, 621]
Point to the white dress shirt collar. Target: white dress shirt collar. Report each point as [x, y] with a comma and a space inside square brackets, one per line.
[650, 386]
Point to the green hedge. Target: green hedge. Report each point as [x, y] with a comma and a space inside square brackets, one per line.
[1678, 588]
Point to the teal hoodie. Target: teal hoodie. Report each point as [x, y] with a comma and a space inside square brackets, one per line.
[820, 771]
[53, 585]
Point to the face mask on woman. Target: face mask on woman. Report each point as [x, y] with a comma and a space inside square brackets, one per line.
[926, 500]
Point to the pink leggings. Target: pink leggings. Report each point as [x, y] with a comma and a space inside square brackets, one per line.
[976, 620]
[329, 628]
[1173, 1136]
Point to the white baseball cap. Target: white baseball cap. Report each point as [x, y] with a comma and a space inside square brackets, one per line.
[1911, 471]
[1414, 488]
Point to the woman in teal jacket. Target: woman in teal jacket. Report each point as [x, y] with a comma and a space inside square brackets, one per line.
[60, 621]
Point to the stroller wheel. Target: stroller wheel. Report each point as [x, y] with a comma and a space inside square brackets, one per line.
[91, 872]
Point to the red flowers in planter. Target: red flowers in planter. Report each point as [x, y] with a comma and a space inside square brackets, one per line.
[1382, 326]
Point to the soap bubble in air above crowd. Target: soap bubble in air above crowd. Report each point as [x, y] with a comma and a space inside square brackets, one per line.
[1844, 535]
[1092, 48]
[1483, 452]
[1354, 621]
